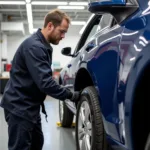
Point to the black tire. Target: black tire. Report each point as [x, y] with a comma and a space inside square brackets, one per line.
[97, 139]
[147, 146]
[67, 118]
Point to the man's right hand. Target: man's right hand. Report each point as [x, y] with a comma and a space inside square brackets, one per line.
[75, 96]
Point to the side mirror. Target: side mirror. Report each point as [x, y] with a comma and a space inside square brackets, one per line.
[66, 51]
[120, 9]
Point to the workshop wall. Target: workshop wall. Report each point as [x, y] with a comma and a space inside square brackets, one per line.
[69, 41]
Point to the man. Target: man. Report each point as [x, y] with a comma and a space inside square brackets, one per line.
[30, 82]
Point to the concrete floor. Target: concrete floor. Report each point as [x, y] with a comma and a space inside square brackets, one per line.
[56, 138]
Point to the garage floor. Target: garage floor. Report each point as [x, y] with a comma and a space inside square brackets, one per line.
[56, 138]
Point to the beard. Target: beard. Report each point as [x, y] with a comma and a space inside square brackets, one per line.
[53, 39]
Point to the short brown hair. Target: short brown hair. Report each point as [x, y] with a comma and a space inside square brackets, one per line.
[55, 16]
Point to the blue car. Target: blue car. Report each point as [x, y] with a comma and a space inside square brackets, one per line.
[111, 68]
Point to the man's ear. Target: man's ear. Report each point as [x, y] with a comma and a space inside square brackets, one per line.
[50, 26]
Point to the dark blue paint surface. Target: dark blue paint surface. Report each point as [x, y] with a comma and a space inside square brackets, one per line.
[112, 2]
[115, 65]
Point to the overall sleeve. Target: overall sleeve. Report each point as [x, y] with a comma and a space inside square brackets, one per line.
[36, 60]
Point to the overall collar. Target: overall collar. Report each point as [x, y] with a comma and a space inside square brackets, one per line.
[41, 36]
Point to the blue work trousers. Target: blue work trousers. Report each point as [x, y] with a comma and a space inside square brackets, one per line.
[23, 134]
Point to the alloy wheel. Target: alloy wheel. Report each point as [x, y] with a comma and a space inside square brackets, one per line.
[85, 127]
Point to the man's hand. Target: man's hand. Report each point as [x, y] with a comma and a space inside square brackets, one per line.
[75, 96]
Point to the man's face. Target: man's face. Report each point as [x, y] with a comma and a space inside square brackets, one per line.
[58, 33]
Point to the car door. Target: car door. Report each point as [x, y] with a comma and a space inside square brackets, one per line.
[68, 72]
[88, 33]
[104, 68]
[100, 43]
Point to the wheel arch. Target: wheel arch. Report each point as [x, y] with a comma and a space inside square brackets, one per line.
[80, 84]
[132, 98]
[141, 109]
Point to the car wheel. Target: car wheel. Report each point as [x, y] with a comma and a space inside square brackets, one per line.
[90, 134]
[65, 115]
[147, 147]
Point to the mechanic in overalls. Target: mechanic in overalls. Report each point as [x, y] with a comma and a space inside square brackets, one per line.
[30, 81]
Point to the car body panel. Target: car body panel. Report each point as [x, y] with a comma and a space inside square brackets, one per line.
[133, 44]
[106, 77]
[114, 58]
[112, 2]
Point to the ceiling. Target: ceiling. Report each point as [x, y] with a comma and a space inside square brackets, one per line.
[18, 13]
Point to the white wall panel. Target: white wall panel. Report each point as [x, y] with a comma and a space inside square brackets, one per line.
[70, 40]
[4, 46]
[13, 26]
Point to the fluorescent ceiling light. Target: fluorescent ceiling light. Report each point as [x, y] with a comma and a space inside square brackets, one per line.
[28, 1]
[30, 28]
[29, 13]
[30, 17]
[70, 7]
[48, 3]
[78, 22]
[78, 3]
[12, 2]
